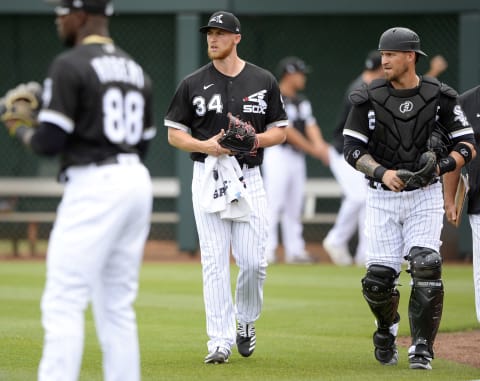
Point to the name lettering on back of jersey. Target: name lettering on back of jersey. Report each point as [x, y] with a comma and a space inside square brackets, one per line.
[118, 69]
[259, 107]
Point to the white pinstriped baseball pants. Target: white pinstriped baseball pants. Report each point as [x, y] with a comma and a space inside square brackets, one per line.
[247, 242]
[475, 225]
[397, 221]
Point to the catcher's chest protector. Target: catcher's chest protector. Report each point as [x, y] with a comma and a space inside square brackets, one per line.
[404, 119]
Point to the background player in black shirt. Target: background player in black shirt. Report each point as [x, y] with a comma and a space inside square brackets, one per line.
[196, 118]
[351, 215]
[389, 128]
[470, 101]
[97, 115]
[286, 187]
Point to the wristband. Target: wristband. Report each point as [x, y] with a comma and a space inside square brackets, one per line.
[447, 164]
[379, 172]
[464, 150]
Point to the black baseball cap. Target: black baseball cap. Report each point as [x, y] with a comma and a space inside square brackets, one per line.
[64, 7]
[222, 20]
[292, 65]
[373, 60]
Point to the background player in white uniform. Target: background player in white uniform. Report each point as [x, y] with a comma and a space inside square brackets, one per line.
[97, 115]
[470, 101]
[351, 215]
[285, 182]
[389, 127]
[196, 118]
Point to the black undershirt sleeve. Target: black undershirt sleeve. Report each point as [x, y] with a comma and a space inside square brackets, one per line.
[48, 140]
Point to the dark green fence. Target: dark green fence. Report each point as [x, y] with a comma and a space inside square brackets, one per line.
[334, 45]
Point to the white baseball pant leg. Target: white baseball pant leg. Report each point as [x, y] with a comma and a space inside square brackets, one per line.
[475, 225]
[284, 173]
[247, 241]
[95, 252]
[397, 221]
[351, 215]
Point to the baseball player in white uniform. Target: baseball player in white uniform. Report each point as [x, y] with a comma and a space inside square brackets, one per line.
[97, 116]
[391, 126]
[285, 182]
[196, 119]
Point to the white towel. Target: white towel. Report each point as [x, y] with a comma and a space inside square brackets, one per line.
[224, 189]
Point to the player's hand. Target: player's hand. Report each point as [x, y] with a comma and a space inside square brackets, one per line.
[212, 147]
[451, 212]
[392, 181]
[438, 64]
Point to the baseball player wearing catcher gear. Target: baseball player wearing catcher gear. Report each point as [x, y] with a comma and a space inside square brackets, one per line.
[196, 121]
[285, 187]
[97, 115]
[470, 101]
[387, 131]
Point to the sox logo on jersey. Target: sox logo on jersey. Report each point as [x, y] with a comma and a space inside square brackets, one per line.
[258, 98]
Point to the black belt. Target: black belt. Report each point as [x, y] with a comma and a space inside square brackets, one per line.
[241, 163]
[377, 185]
[107, 161]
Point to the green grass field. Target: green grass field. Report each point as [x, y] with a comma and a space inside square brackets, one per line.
[315, 326]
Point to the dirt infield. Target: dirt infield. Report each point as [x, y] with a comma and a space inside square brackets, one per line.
[460, 347]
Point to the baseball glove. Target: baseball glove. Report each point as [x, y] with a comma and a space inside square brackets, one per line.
[20, 106]
[422, 177]
[240, 136]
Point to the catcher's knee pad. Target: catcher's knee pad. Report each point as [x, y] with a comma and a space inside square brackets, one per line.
[379, 290]
[426, 298]
[425, 263]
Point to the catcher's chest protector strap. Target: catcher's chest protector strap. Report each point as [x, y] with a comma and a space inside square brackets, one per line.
[403, 122]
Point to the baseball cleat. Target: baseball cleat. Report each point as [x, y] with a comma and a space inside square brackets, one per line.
[420, 362]
[219, 356]
[246, 338]
[420, 357]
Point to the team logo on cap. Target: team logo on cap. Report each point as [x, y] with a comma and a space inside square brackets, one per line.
[217, 19]
[406, 106]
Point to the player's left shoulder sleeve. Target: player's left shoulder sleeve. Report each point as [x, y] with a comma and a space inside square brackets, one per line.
[451, 116]
[60, 95]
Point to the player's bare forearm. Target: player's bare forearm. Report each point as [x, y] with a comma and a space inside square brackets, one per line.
[367, 164]
[450, 183]
[271, 137]
[184, 141]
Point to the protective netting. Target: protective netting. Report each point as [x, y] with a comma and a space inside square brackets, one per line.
[334, 46]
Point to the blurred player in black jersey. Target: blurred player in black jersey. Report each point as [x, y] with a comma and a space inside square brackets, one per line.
[196, 119]
[470, 101]
[97, 115]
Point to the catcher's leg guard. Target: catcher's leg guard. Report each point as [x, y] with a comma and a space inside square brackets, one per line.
[382, 297]
[426, 302]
